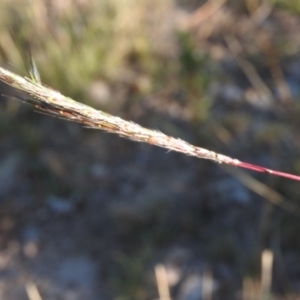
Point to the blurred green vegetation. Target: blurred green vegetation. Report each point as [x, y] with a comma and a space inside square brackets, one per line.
[292, 5]
[74, 43]
[115, 42]
[132, 282]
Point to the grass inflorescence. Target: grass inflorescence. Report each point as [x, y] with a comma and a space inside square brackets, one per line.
[54, 103]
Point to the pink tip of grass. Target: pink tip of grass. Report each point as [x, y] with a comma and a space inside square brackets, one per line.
[257, 168]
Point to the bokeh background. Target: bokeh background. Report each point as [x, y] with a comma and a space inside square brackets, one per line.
[88, 215]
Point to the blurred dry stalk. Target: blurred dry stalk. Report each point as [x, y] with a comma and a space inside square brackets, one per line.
[272, 59]
[258, 84]
[266, 273]
[263, 190]
[207, 285]
[32, 291]
[162, 282]
[260, 289]
[202, 13]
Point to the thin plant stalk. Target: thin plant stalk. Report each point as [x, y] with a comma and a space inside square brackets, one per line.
[54, 103]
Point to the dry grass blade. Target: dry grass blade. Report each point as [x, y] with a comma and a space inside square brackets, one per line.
[54, 103]
[162, 282]
[258, 84]
[267, 259]
[264, 191]
[32, 291]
